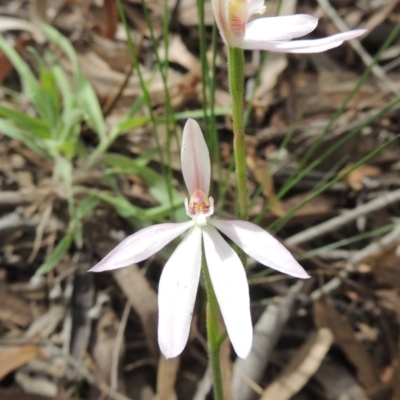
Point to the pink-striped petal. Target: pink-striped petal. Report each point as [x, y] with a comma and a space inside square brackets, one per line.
[141, 245]
[302, 46]
[230, 285]
[280, 28]
[177, 294]
[195, 158]
[259, 244]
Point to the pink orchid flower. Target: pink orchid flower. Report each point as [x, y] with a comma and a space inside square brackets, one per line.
[180, 277]
[271, 33]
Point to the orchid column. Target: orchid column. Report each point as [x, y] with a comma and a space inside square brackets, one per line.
[271, 33]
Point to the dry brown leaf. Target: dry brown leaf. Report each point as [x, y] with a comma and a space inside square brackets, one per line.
[166, 378]
[15, 357]
[327, 93]
[12, 394]
[115, 54]
[143, 300]
[106, 332]
[326, 316]
[355, 178]
[260, 171]
[179, 53]
[389, 276]
[301, 368]
[259, 168]
[320, 207]
[14, 309]
[396, 376]
[390, 299]
[110, 11]
[103, 349]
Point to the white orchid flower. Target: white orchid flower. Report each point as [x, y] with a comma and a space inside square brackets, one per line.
[271, 33]
[180, 277]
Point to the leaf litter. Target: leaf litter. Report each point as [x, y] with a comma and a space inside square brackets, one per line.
[64, 334]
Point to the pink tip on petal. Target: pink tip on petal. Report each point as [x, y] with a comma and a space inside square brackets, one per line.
[195, 158]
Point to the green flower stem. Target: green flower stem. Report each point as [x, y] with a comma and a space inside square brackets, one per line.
[214, 340]
[236, 86]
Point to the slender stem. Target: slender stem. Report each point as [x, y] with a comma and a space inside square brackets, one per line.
[236, 85]
[214, 342]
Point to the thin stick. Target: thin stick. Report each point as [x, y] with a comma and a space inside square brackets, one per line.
[334, 223]
[117, 347]
[377, 70]
[373, 248]
[82, 370]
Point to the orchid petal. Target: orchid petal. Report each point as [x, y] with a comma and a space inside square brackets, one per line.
[255, 7]
[177, 294]
[302, 46]
[221, 15]
[141, 245]
[230, 285]
[260, 245]
[195, 158]
[279, 28]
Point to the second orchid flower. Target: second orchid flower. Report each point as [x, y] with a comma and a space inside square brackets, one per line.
[271, 33]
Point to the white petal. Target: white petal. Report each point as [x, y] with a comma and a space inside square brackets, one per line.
[280, 28]
[221, 15]
[302, 46]
[230, 285]
[254, 7]
[260, 245]
[195, 158]
[141, 245]
[177, 294]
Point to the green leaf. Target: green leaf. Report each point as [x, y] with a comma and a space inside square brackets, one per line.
[72, 124]
[85, 207]
[159, 213]
[62, 42]
[33, 124]
[132, 123]
[29, 82]
[120, 204]
[64, 86]
[155, 182]
[61, 248]
[89, 103]
[78, 237]
[23, 135]
[86, 96]
[65, 169]
[118, 160]
[51, 98]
